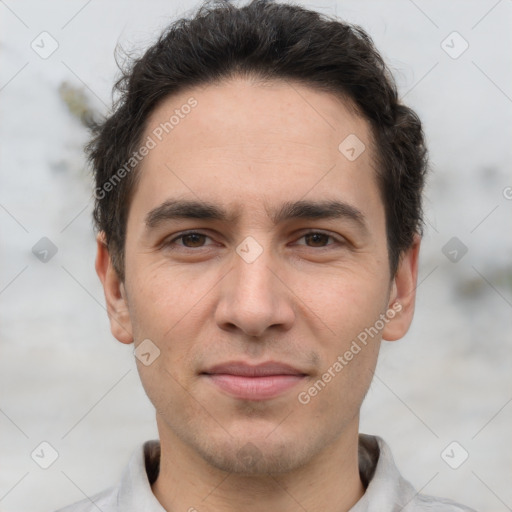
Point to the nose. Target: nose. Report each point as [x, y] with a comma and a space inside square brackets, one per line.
[254, 298]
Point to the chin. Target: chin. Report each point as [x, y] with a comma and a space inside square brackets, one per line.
[254, 451]
[253, 459]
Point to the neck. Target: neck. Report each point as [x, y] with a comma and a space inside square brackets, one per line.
[328, 483]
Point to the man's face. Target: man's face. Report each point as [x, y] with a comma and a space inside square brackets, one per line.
[256, 287]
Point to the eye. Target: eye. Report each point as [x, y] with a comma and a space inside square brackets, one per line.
[190, 240]
[197, 240]
[318, 239]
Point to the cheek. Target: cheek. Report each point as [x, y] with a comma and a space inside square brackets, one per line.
[350, 307]
[169, 309]
[168, 393]
[164, 297]
[334, 397]
[346, 301]
[164, 310]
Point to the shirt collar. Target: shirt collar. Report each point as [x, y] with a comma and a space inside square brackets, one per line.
[135, 487]
[386, 489]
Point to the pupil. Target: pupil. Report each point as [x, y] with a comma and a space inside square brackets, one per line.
[194, 238]
[317, 237]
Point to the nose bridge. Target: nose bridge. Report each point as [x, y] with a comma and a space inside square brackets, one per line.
[252, 265]
[252, 297]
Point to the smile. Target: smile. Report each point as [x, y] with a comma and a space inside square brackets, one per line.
[248, 382]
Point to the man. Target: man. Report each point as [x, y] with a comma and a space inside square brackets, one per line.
[258, 205]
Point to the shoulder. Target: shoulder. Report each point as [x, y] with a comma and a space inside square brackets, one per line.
[387, 490]
[424, 503]
[106, 501]
[133, 490]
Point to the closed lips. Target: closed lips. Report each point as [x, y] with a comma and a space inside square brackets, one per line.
[260, 370]
[253, 382]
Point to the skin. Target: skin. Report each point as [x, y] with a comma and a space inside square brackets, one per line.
[248, 147]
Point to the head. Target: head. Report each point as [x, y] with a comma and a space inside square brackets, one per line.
[273, 135]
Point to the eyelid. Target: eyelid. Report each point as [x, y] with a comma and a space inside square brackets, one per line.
[338, 239]
[182, 234]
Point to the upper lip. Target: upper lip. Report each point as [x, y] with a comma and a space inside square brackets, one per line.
[259, 370]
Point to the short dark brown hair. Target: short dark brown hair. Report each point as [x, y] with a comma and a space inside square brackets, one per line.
[269, 41]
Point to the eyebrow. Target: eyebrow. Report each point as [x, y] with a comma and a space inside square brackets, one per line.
[189, 209]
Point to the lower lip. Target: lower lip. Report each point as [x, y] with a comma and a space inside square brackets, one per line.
[254, 388]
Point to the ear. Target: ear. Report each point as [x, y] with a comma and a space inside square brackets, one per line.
[115, 293]
[403, 294]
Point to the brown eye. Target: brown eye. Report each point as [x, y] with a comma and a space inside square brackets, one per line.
[317, 239]
[320, 240]
[192, 240]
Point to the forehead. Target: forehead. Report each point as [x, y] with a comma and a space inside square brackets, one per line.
[255, 113]
[242, 142]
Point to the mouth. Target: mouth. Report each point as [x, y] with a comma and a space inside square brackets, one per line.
[254, 382]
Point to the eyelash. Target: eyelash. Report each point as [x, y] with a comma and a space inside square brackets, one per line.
[187, 233]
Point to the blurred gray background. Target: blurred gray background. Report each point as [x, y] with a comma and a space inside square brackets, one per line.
[66, 381]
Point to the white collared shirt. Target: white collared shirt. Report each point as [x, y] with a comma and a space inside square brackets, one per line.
[386, 489]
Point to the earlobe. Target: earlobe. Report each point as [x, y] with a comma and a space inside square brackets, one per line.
[115, 293]
[403, 294]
